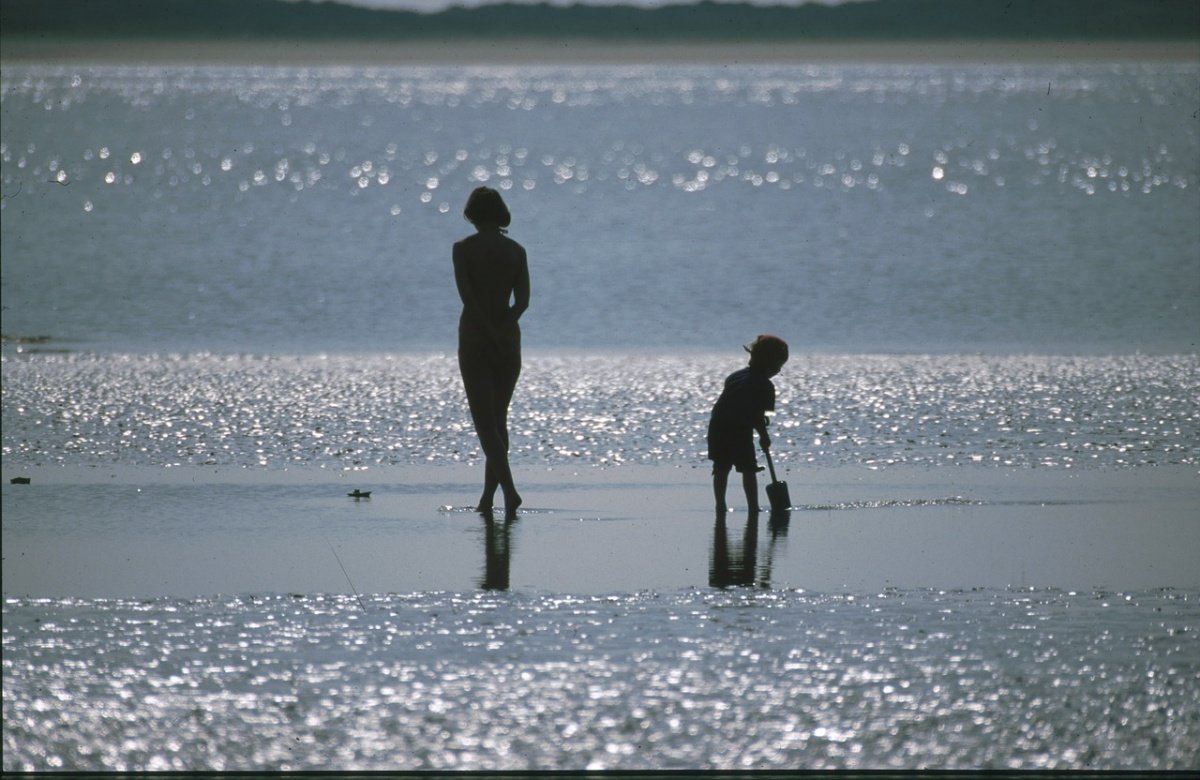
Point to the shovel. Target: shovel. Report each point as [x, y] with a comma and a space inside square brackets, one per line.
[777, 492]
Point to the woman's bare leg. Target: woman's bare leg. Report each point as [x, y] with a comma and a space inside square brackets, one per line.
[506, 385]
[488, 397]
[488, 499]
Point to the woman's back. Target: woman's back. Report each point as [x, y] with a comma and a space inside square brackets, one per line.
[492, 270]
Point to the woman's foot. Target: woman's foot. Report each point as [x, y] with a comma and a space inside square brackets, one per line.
[511, 502]
[487, 499]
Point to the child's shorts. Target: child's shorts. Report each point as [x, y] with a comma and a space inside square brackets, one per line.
[732, 448]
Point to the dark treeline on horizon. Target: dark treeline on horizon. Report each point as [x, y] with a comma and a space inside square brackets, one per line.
[705, 21]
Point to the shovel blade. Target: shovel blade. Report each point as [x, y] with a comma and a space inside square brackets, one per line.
[777, 494]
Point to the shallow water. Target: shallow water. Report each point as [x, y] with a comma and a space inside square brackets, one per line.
[1004, 207]
[221, 281]
[146, 532]
[356, 411]
[725, 679]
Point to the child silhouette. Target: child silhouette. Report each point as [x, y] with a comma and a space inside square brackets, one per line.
[740, 410]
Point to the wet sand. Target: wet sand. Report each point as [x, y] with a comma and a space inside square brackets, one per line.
[584, 52]
[193, 531]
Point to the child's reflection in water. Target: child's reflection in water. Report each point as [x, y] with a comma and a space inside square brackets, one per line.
[737, 563]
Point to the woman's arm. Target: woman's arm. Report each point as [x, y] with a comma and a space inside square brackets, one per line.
[520, 289]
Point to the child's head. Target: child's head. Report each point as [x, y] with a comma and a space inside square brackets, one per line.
[768, 353]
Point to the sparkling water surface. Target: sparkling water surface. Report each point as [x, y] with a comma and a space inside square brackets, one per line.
[848, 208]
[730, 679]
[978, 267]
[727, 679]
[348, 412]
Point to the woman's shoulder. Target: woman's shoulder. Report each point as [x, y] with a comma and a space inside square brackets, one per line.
[515, 247]
[492, 247]
[469, 246]
[477, 238]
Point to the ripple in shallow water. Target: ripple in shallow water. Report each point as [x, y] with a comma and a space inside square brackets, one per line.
[354, 411]
[731, 679]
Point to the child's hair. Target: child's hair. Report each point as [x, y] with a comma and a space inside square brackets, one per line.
[486, 205]
[767, 351]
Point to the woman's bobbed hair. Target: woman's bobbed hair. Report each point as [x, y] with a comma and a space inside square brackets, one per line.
[486, 206]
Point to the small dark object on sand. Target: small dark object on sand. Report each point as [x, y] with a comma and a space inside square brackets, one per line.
[20, 480]
[360, 494]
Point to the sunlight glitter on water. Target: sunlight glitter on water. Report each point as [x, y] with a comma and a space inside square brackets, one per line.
[942, 208]
[948, 679]
[293, 92]
[353, 411]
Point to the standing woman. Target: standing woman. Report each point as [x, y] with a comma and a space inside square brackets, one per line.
[492, 275]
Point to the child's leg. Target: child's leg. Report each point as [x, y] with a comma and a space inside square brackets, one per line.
[720, 481]
[750, 485]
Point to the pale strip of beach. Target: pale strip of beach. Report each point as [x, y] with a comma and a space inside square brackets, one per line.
[144, 532]
[512, 51]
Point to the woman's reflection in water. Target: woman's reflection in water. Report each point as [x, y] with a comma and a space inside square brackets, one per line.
[497, 551]
[737, 563]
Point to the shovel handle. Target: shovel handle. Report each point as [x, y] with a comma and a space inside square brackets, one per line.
[770, 465]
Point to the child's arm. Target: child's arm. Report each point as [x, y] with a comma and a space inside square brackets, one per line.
[764, 439]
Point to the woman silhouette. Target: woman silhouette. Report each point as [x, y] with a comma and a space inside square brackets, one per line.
[492, 275]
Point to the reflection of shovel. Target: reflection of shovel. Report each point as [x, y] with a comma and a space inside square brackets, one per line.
[777, 492]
